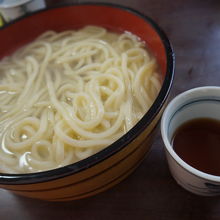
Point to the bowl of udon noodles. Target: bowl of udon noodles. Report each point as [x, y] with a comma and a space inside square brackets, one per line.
[82, 89]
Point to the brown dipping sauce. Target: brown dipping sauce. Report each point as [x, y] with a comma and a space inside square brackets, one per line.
[197, 142]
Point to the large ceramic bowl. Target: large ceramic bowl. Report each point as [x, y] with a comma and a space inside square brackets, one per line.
[111, 165]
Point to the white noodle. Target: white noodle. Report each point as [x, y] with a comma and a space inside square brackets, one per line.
[67, 95]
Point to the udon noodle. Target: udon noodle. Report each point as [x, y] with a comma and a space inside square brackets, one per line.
[67, 95]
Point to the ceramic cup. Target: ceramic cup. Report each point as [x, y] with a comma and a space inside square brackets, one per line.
[202, 102]
[12, 9]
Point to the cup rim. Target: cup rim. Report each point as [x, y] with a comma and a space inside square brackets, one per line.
[167, 144]
[12, 5]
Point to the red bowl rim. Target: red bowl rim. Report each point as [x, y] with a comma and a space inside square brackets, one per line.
[44, 176]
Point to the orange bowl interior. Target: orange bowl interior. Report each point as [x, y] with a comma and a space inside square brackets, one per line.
[25, 30]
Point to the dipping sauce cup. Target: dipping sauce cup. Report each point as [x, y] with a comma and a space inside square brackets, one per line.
[197, 103]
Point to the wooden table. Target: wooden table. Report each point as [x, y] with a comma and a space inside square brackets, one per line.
[150, 192]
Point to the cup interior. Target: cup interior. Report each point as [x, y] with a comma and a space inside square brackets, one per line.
[193, 109]
[202, 102]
